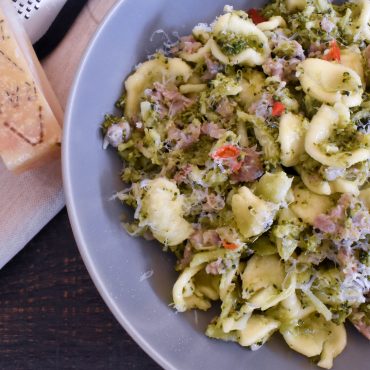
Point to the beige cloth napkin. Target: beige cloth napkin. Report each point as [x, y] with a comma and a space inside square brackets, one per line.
[30, 200]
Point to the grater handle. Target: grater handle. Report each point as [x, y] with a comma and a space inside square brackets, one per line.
[37, 15]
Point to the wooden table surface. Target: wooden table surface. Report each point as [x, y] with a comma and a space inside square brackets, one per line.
[51, 315]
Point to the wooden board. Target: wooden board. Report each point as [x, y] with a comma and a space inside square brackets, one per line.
[62, 64]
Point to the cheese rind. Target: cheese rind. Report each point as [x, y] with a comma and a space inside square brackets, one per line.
[29, 130]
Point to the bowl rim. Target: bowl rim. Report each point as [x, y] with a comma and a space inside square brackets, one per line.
[72, 207]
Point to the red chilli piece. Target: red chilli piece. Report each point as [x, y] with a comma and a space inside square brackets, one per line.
[278, 109]
[256, 16]
[229, 246]
[225, 152]
[333, 52]
[229, 155]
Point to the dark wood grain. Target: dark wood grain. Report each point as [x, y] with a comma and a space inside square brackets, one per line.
[51, 315]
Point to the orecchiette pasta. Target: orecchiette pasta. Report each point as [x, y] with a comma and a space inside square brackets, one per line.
[317, 337]
[308, 205]
[207, 285]
[259, 328]
[272, 23]
[183, 291]
[362, 21]
[365, 196]
[159, 69]
[351, 58]
[274, 187]
[333, 346]
[320, 186]
[320, 141]
[252, 84]
[330, 82]
[295, 5]
[238, 41]
[252, 214]
[162, 210]
[198, 55]
[261, 273]
[292, 309]
[292, 129]
[231, 323]
[344, 186]
[192, 88]
[314, 182]
[265, 284]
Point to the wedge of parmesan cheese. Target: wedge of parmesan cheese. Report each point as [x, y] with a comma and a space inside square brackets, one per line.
[30, 133]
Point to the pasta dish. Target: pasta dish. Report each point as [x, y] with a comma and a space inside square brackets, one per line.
[245, 149]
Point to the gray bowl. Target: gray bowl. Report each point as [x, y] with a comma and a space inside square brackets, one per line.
[116, 261]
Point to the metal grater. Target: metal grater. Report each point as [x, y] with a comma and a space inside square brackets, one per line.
[37, 15]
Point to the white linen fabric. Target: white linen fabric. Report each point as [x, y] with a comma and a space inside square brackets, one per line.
[28, 201]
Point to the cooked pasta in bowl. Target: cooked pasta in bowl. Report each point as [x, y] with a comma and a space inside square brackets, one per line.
[244, 158]
[245, 149]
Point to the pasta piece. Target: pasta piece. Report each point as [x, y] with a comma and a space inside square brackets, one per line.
[213, 331]
[226, 284]
[274, 22]
[199, 55]
[351, 58]
[291, 310]
[320, 132]
[260, 273]
[183, 298]
[207, 285]
[252, 215]
[162, 210]
[239, 319]
[329, 82]
[204, 257]
[295, 5]
[185, 295]
[159, 69]
[263, 246]
[314, 337]
[252, 85]
[274, 187]
[292, 129]
[319, 186]
[365, 196]
[333, 346]
[264, 282]
[314, 182]
[344, 186]
[275, 299]
[258, 330]
[228, 305]
[238, 41]
[308, 205]
[192, 88]
[361, 26]
[259, 298]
